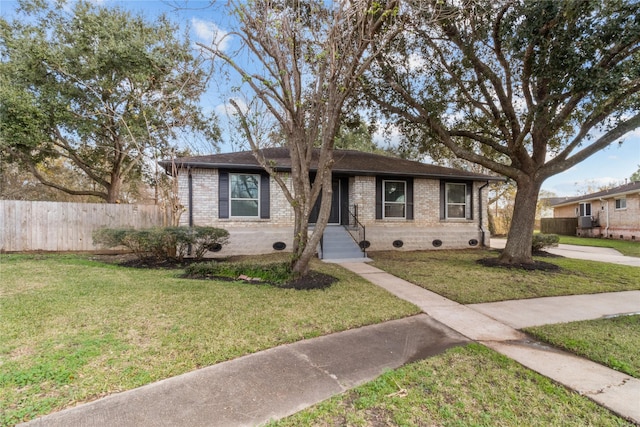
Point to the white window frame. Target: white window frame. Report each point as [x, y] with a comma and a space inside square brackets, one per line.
[618, 203]
[446, 201]
[232, 199]
[385, 202]
[583, 211]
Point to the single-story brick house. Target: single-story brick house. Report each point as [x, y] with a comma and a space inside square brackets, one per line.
[613, 213]
[402, 204]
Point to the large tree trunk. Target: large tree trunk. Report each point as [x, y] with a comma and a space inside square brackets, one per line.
[304, 252]
[113, 189]
[518, 247]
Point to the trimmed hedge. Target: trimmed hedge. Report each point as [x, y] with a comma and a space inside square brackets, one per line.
[541, 241]
[164, 242]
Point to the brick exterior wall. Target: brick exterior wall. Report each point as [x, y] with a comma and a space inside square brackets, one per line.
[622, 223]
[426, 226]
[254, 236]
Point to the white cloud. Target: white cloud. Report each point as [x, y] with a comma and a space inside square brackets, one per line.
[210, 34]
[417, 61]
[228, 110]
[634, 133]
[387, 135]
[571, 188]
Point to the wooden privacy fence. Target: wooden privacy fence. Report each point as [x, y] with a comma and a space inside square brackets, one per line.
[57, 226]
[562, 226]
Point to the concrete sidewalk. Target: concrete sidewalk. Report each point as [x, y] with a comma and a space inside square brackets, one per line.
[589, 253]
[272, 384]
[546, 311]
[614, 390]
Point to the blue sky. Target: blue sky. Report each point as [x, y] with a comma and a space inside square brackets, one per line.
[612, 165]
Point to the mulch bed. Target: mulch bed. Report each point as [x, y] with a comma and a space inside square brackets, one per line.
[313, 280]
[536, 266]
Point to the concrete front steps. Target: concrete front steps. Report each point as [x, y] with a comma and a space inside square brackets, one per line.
[338, 245]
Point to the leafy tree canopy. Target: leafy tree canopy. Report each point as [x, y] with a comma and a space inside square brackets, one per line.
[526, 89]
[99, 87]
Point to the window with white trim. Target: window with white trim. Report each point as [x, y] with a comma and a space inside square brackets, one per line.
[394, 198]
[456, 200]
[621, 203]
[584, 209]
[244, 195]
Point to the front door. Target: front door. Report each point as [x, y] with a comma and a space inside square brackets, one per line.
[335, 214]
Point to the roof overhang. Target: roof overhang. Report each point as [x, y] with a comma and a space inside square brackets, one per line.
[596, 198]
[347, 163]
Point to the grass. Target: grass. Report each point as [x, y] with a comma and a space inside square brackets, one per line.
[457, 275]
[466, 386]
[613, 342]
[74, 329]
[626, 247]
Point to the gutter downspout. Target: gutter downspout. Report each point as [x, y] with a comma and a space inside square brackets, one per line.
[482, 244]
[190, 199]
[606, 229]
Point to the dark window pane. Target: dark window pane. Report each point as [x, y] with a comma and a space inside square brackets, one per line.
[456, 211]
[456, 193]
[244, 208]
[244, 186]
[394, 191]
[394, 210]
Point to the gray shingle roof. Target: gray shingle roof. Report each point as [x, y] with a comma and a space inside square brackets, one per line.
[348, 162]
[631, 187]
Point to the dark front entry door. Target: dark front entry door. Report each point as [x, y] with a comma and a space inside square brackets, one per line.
[334, 216]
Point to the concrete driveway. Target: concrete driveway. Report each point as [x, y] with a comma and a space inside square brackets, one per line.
[589, 253]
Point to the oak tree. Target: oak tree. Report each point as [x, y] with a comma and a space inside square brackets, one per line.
[98, 87]
[526, 89]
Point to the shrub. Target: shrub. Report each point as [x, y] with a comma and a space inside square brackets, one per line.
[163, 242]
[277, 273]
[173, 242]
[110, 237]
[139, 241]
[541, 241]
[207, 239]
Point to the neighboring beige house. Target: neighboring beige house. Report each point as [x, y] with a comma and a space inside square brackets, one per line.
[613, 213]
[545, 206]
[382, 202]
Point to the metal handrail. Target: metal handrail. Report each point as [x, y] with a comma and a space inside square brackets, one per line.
[362, 232]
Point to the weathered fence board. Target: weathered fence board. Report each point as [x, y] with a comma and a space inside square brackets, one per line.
[562, 226]
[56, 226]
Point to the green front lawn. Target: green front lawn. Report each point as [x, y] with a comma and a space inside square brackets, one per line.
[612, 342]
[457, 275]
[74, 329]
[625, 247]
[466, 386]
[473, 385]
